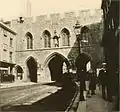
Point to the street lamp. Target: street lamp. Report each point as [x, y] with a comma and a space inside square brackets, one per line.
[77, 30]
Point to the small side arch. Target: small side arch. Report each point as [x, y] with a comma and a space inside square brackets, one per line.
[19, 72]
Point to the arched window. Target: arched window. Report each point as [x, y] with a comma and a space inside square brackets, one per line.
[29, 38]
[85, 32]
[47, 38]
[65, 37]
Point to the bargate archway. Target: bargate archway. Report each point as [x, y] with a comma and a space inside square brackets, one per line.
[56, 63]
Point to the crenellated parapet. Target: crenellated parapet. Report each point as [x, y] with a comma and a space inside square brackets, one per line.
[84, 16]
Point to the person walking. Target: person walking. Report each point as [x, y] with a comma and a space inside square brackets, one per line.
[88, 84]
[82, 78]
[102, 77]
[93, 82]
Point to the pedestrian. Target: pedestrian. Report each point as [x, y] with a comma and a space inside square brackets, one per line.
[102, 77]
[82, 78]
[93, 81]
[88, 84]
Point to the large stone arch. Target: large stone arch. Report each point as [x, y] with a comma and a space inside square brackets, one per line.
[82, 60]
[31, 64]
[55, 62]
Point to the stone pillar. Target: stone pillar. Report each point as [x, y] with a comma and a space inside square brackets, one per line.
[25, 74]
[60, 42]
[52, 42]
[46, 75]
[9, 70]
[14, 73]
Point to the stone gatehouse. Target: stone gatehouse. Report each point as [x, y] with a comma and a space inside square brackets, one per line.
[46, 46]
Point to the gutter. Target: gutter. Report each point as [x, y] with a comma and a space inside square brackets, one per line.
[75, 101]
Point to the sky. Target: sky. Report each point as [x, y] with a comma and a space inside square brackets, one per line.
[10, 9]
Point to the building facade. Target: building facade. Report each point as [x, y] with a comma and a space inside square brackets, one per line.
[110, 43]
[47, 45]
[7, 51]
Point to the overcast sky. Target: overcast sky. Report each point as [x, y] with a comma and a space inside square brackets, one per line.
[13, 8]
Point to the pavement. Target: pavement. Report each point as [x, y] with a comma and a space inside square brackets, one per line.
[95, 104]
[15, 84]
[82, 105]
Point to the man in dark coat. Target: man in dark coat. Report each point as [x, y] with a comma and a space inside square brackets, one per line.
[93, 81]
[103, 81]
[82, 79]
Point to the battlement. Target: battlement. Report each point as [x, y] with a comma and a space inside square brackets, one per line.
[69, 14]
[86, 14]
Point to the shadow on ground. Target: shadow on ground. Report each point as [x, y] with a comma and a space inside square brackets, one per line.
[58, 101]
[58, 84]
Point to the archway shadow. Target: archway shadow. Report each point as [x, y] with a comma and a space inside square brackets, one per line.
[58, 101]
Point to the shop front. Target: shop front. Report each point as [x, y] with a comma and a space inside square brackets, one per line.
[6, 72]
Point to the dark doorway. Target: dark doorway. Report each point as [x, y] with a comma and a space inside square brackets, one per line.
[19, 72]
[32, 69]
[55, 66]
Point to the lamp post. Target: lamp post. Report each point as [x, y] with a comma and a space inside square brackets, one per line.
[77, 30]
[80, 66]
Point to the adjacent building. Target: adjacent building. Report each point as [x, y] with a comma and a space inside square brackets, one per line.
[7, 51]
